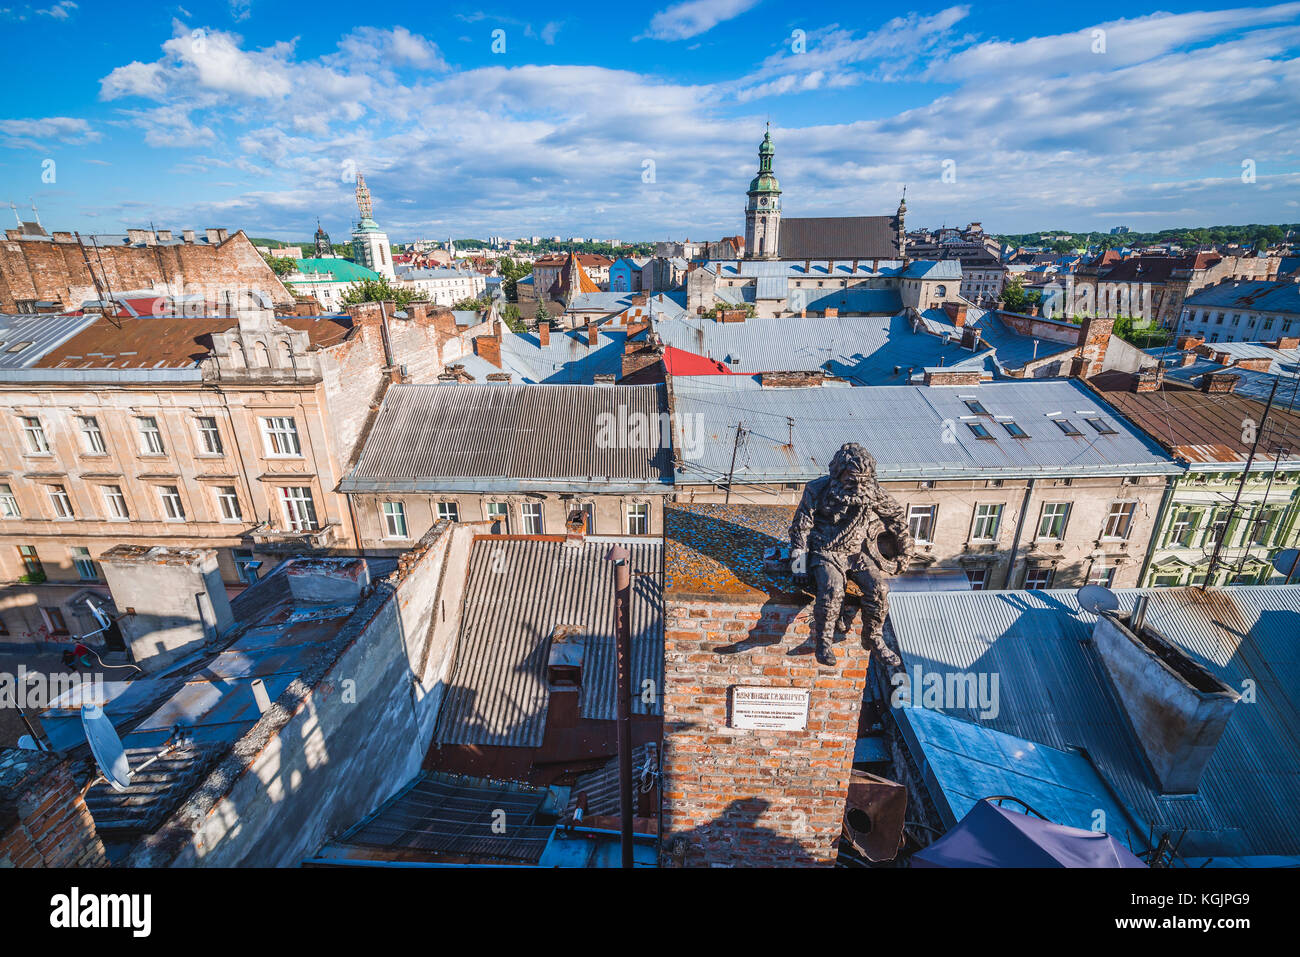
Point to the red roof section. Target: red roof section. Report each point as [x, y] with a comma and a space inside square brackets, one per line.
[681, 362]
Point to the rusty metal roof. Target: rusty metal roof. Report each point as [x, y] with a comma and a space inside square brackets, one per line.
[1202, 427]
[518, 590]
[513, 437]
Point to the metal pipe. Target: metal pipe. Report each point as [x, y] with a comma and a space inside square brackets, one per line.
[623, 657]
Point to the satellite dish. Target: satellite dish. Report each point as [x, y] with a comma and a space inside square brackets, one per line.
[106, 746]
[1096, 599]
[1287, 561]
[104, 620]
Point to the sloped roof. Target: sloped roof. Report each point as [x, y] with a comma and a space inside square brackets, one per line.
[572, 280]
[342, 270]
[913, 431]
[498, 694]
[475, 437]
[839, 237]
[42, 333]
[1053, 691]
[1255, 295]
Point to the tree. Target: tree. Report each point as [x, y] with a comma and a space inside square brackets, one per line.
[282, 265]
[1014, 298]
[511, 273]
[472, 305]
[380, 290]
[541, 315]
[512, 317]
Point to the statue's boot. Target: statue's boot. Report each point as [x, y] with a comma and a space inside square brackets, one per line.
[821, 642]
[873, 637]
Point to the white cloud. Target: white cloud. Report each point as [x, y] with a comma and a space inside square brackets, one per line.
[36, 133]
[59, 11]
[682, 21]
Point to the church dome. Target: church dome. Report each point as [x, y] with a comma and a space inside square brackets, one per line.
[764, 183]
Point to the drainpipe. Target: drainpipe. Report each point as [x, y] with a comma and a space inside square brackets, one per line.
[1157, 529]
[620, 558]
[1020, 526]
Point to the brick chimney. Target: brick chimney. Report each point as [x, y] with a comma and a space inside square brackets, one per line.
[1219, 382]
[831, 312]
[1186, 359]
[953, 376]
[791, 380]
[575, 527]
[1094, 338]
[488, 348]
[1289, 342]
[731, 315]
[956, 313]
[503, 377]
[1149, 379]
[44, 821]
[1190, 342]
[593, 334]
[1255, 363]
[544, 333]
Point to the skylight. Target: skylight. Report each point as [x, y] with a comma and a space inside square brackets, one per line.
[1066, 426]
[977, 407]
[980, 431]
[1102, 426]
[1015, 431]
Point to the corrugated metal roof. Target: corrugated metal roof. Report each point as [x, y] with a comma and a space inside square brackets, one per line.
[913, 431]
[567, 359]
[1054, 691]
[519, 590]
[26, 338]
[1255, 295]
[438, 437]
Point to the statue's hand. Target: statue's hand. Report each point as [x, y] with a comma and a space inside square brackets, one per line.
[799, 565]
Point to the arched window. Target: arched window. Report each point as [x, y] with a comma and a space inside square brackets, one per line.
[237, 355]
[286, 353]
[941, 290]
[263, 355]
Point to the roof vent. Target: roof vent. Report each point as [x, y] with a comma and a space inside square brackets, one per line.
[564, 662]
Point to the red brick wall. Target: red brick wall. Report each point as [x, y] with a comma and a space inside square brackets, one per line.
[754, 798]
[50, 270]
[43, 819]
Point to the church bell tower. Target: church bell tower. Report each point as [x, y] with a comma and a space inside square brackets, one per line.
[763, 211]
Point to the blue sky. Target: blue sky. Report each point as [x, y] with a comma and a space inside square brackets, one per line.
[251, 114]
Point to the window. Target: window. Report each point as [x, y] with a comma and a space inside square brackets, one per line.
[115, 502]
[1167, 579]
[34, 433]
[499, 514]
[448, 512]
[1038, 578]
[9, 503]
[1053, 519]
[1066, 426]
[987, 520]
[246, 565]
[1101, 574]
[54, 621]
[1120, 520]
[299, 509]
[228, 502]
[280, 435]
[978, 578]
[151, 442]
[638, 519]
[394, 520]
[1183, 528]
[1262, 528]
[209, 435]
[1015, 431]
[60, 502]
[87, 570]
[977, 407]
[980, 430]
[31, 562]
[173, 510]
[531, 513]
[91, 437]
[589, 514]
[920, 519]
[993, 483]
[1102, 426]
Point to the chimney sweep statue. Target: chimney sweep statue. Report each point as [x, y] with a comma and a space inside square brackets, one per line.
[848, 528]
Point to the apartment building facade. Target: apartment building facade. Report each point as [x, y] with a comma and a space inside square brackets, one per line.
[226, 433]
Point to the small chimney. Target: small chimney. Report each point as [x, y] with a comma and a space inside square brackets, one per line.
[564, 660]
[187, 236]
[327, 581]
[956, 313]
[544, 333]
[488, 348]
[604, 378]
[212, 236]
[831, 312]
[1186, 359]
[935, 377]
[1189, 342]
[1149, 379]
[164, 235]
[575, 527]
[1289, 342]
[1176, 708]
[791, 380]
[503, 377]
[593, 334]
[1219, 382]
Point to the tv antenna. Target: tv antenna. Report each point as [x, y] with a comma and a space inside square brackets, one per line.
[110, 756]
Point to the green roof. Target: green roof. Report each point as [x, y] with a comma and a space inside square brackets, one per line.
[343, 270]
